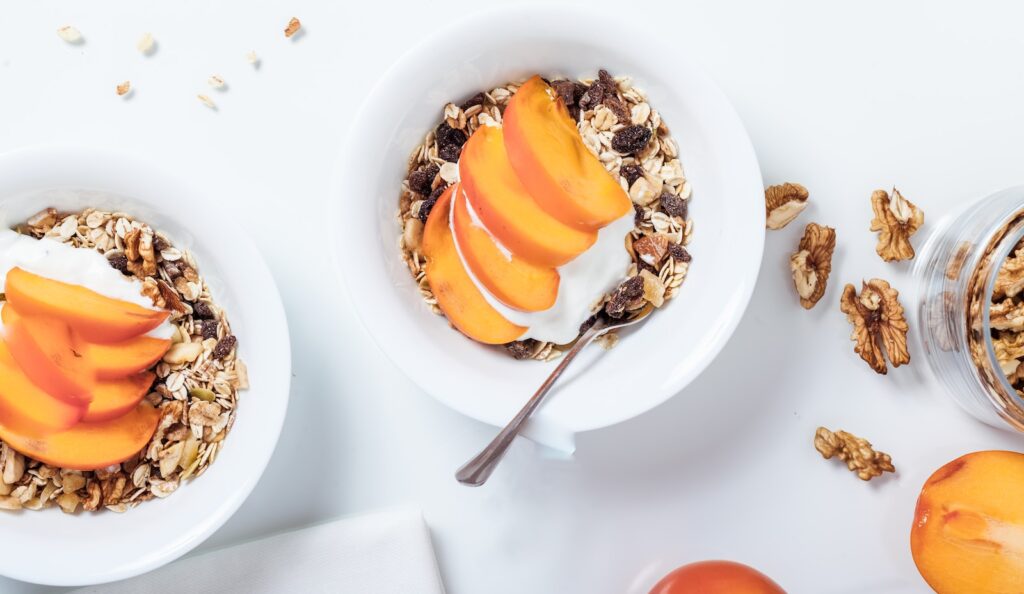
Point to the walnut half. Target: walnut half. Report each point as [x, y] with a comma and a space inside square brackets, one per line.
[878, 323]
[812, 263]
[896, 220]
[855, 451]
[783, 203]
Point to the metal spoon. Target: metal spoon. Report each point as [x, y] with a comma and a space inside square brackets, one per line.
[476, 472]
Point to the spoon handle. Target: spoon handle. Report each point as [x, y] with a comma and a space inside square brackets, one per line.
[476, 472]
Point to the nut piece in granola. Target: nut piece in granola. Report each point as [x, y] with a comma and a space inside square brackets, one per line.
[812, 263]
[879, 328]
[855, 451]
[896, 220]
[783, 203]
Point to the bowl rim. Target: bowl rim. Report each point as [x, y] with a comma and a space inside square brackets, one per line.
[276, 381]
[413, 58]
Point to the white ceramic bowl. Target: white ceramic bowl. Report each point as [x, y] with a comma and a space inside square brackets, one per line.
[50, 547]
[646, 367]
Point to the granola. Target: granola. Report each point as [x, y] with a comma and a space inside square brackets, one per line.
[629, 137]
[197, 382]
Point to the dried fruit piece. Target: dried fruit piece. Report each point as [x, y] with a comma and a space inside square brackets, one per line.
[896, 220]
[783, 203]
[651, 249]
[878, 323]
[146, 43]
[69, 34]
[631, 139]
[224, 347]
[812, 263]
[857, 452]
[674, 206]
[631, 173]
[421, 181]
[293, 27]
[625, 294]
[124, 88]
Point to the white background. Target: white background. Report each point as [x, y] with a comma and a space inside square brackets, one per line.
[842, 98]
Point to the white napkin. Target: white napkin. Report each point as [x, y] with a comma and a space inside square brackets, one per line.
[381, 553]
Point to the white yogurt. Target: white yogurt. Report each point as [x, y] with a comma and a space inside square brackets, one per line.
[584, 280]
[76, 266]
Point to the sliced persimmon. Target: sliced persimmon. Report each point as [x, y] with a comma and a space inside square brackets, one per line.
[122, 359]
[95, 317]
[513, 281]
[48, 354]
[547, 153]
[88, 446]
[113, 398]
[25, 407]
[508, 210]
[457, 296]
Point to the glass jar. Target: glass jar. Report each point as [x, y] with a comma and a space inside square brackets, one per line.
[956, 273]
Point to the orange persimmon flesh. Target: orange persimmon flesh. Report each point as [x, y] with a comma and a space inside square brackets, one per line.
[547, 153]
[95, 317]
[25, 408]
[88, 446]
[48, 354]
[122, 359]
[115, 397]
[457, 296]
[512, 215]
[511, 280]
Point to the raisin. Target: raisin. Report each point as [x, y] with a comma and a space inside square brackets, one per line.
[210, 329]
[477, 99]
[641, 265]
[673, 205]
[224, 347]
[679, 253]
[593, 97]
[446, 135]
[421, 180]
[589, 322]
[631, 173]
[160, 244]
[627, 292]
[450, 152]
[521, 349]
[201, 310]
[429, 203]
[631, 139]
[119, 262]
[566, 89]
[172, 270]
[638, 215]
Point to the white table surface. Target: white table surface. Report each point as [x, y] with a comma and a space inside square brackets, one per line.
[844, 99]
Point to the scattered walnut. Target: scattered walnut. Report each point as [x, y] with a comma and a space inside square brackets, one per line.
[783, 203]
[293, 27]
[896, 220]
[857, 452]
[812, 263]
[878, 323]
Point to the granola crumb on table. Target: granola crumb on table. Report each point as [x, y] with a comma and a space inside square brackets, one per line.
[197, 382]
[621, 128]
